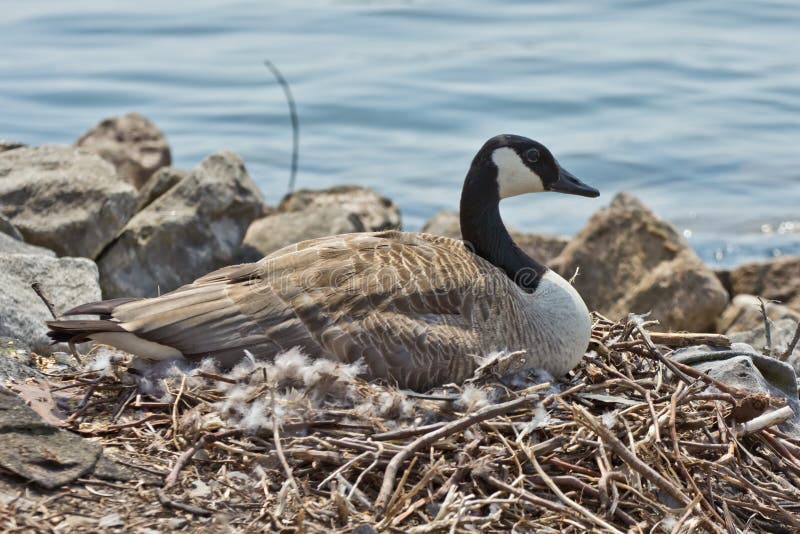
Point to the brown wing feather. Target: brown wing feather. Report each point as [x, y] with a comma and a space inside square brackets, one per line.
[402, 302]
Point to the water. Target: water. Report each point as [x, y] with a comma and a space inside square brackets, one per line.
[692, 106]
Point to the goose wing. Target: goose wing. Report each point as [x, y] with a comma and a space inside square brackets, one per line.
[406, 303]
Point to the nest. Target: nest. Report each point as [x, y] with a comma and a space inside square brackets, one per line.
[631, 442]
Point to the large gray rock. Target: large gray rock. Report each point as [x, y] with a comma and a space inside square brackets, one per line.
[9, 245]
[374, 211]
[193, 228]
[744, 313]
[133, 144]
[159, 183]
[11, 241]
[777, 279]
[278, 230]
[541, 248]
[67, 282]
[744, 368]
[65, 199]
[308, 214]
[40, 452]
[631, 261]
[8, 228]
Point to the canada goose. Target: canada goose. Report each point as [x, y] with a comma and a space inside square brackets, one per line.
[418, 309]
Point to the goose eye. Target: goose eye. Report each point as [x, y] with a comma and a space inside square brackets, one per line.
[532, 155]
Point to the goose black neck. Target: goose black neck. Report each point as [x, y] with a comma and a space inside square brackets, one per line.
[483, 231]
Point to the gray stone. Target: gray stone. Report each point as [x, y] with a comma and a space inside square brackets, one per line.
[541, 248]
[133, 144]
[374, 211]
[66, 282]
[309, 214]
[9, 145]
[9, 245]
[7, 228]
[193, 228]
[744, 313]
[744, 368]
[632, 261]
[278, 230]
[777, 279]
[16, 361]
[64, 199]
[42, 453]
[159, 183]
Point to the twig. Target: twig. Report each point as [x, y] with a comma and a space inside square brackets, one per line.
[456, 426]
[566, 500]
[175, 505]
[792, 344]
[619, 448]
[766, 420]
[287, 91]
[205, 440]
[767, 329]
[37, 288]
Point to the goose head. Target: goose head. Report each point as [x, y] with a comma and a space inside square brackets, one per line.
[507, 166]
[515, 165]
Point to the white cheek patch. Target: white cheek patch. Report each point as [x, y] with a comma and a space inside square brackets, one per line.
[513, 176]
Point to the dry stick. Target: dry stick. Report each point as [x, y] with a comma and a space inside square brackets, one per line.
[767, 330]
[700, 497]
[611, 441]
[175, 412]
[288, 470]
[566, 500]
[523, 494]
[431, 437]
[166, 502]
[792, 344]
[671, 339]
[37, 288]
[766, 420]
[660, 357]
[205, 440]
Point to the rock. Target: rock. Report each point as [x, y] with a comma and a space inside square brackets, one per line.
[309, 214]
[744, 368]
[777, 279]
[744, 313]
[193, 228]
[52, 457]
[9, 245]
[781, 333]
[445, 223]
[66, 282]
[374, 211]
[11, 241]
[8, 228]
[9, 145]
[541, 248]
[64, 199]
[632, 261]
[159, 183]
[278, 230]
[15, 361]
[133, 144]
[44, 454]
[683, 294]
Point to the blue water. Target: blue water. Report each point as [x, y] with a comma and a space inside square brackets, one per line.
[693, 106]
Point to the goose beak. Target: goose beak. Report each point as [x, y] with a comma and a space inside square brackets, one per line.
[567, 183]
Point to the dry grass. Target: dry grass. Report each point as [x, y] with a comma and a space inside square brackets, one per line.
[626, 445]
